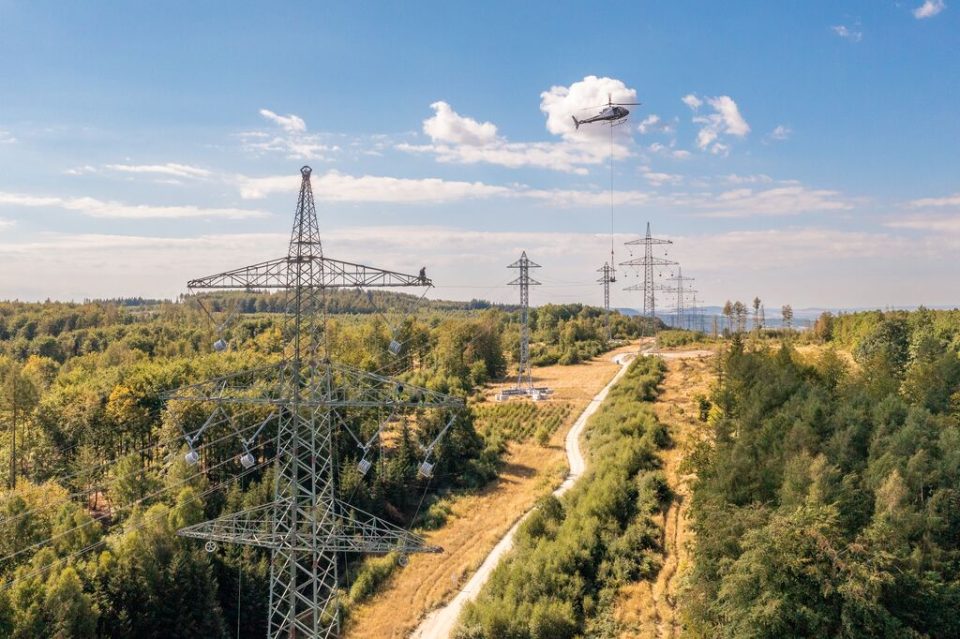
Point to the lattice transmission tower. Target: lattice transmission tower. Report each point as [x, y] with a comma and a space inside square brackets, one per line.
[607, 277]
[309, 401]
[524, 281]
[682, 291]
[648, 264]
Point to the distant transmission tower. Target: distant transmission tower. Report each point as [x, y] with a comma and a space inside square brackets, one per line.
[305, 396]
[609, 275]
[681, 291]
[524, 281]
[647, 264]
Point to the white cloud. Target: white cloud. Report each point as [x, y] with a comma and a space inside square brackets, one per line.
[294, 142]
[334, 186]
[759, 178]
[656, 178]
[781, 200]
[86, 169]
[290, 123]
[557, 156]
[447, 126]
[566, 198]
[464, 140]
[950, 200]
[93, 207]
[170, 168]
[6, 137]
[853, 34]
[669, 151]
[6, 223]
[781, 132]
[718, 148]
[788, 253]
[725, 120]
[733, 122]
[932, 223]
[692, 101]
[648, 124]
[929, 9]
[655, 124]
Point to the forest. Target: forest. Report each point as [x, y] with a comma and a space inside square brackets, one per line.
[827, 501]
[96, 485]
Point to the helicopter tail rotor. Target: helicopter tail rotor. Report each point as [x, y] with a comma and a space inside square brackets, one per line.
[576, 122]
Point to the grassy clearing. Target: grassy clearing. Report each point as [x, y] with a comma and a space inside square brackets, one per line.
[519, 420]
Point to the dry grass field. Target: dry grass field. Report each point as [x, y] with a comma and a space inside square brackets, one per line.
[479, 520]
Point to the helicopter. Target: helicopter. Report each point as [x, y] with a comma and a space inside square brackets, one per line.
[612, 112]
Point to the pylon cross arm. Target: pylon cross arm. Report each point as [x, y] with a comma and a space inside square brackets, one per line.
[646, 240]
[349, 530]
[325, 273]
[644, 261]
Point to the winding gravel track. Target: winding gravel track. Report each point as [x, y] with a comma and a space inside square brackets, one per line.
[441, 622]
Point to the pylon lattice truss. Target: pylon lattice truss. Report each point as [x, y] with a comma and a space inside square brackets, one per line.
[305, 398]
[524, 281]
[683, 292]
[648, 264]
[607, 276]
[524, 374]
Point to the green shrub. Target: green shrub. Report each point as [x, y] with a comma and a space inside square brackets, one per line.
[374, 572]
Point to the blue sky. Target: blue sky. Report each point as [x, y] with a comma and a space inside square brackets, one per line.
[804, 152]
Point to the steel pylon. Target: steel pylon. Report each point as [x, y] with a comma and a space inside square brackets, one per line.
[648, 263]
[682, 289]
[304, 397]
[607, 277]
[524, 281]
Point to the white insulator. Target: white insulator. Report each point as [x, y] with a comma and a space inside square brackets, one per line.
[364, 466]
[220, 345]
[394, 347]
[425, 470]
[247, 460]
[210, 546]
[192, 457]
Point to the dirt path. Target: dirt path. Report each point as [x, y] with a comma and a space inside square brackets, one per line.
[479, 522]
[648, 610]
